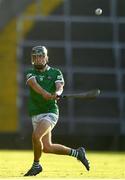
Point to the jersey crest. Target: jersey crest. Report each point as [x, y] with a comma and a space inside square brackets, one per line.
[41, 78]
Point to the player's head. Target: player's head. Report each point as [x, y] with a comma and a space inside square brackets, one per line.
[39, 57]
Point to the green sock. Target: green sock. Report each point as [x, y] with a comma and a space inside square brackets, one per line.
[35, 164]
[74, 153]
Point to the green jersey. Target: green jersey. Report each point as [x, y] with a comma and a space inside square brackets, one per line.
[47, 80]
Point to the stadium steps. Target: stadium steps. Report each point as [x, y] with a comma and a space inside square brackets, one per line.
[86, 57]
[8, 66]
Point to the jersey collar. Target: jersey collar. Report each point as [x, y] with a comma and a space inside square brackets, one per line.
[48, 67]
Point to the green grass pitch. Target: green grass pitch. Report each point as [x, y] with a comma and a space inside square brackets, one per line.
[104, 165]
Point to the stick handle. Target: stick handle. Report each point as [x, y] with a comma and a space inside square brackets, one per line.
[84, 95]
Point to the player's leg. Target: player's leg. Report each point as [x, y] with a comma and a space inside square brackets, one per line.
[49, 147]
[41, 129]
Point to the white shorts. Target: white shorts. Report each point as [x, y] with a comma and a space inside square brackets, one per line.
[51, 117]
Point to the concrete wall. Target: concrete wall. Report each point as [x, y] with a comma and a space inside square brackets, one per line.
[11, 8]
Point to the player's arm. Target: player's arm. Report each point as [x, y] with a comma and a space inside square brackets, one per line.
[59, 88]
[36, 87]
[59, 84]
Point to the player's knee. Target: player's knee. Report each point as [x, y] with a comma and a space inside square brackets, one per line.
[36, 138]
[47, 148]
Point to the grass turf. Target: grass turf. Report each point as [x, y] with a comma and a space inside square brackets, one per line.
[108, 165]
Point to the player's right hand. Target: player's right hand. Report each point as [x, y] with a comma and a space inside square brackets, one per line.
[49, 96]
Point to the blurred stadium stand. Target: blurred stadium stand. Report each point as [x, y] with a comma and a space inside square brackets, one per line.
[90, 50]
[10, 9]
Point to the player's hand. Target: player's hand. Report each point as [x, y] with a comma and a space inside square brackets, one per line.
[49, 96]
[55, 97]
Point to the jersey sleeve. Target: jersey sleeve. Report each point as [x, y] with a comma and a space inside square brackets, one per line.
[59, 77]
[29, 75]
